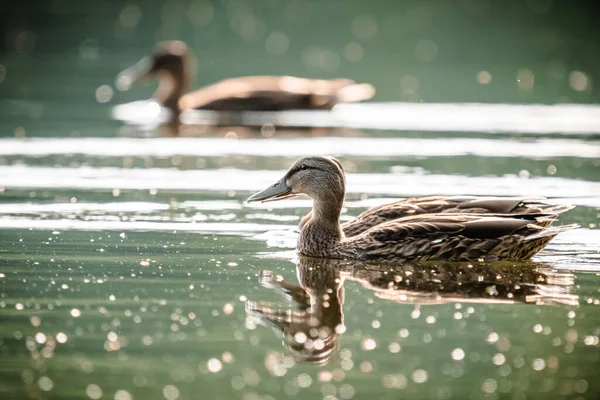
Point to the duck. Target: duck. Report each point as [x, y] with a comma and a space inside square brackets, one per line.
[172, 63]
[516, 206]
[425, 237]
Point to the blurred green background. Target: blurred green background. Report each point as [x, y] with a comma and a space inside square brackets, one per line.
[56, 54]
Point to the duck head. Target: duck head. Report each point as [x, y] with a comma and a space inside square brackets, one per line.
[321, 178]
[170, 63]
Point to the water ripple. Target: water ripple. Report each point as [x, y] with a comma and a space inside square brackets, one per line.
[404, 184]
[117, 225]
[299, 147]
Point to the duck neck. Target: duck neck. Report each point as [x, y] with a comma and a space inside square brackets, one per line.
[172, 85]
[326, 214]
[322, 232]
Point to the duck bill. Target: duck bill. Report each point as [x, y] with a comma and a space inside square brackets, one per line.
[278, 191]
[128, 77]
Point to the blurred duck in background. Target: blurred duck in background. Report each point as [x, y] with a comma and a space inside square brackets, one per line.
[172, 64]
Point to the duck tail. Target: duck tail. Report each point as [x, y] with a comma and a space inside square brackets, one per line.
[546, 213]
[538, 239]
[356, 92]
[545, 220]
[550, 232]
[542, 219]
[556, 209]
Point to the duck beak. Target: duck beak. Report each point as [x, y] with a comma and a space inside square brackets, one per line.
[134, 73]
[278, 191]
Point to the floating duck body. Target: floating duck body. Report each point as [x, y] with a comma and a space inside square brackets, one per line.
[427, 237]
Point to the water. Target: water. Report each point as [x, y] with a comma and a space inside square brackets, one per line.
[131, 268]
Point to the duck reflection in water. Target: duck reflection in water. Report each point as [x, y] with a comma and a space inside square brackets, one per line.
[313, 326]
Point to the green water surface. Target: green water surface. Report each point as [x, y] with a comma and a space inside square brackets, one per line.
[147, 277]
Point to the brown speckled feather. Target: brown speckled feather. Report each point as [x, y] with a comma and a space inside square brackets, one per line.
[518, 207]
[453, 238]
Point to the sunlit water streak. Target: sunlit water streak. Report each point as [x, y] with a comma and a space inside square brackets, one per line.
[136, 207]
[406, 184]
[445, 117]
[117, 225]
[74, 208]
[298, 147]
[472, 117]
[559, 252]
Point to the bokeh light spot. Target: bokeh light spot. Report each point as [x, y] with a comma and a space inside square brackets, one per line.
[426, 50]
[420, 376]
[45, 384]
[277, 43]
[364, 27]
[579, 81]
[201, 12]
[484, 77]
[171, 392]
[104, 94]
[458, 354]
[93, 391]
[525, 79]
[353, 52]
[130, 16]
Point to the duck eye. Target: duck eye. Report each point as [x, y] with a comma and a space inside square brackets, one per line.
[303, 167]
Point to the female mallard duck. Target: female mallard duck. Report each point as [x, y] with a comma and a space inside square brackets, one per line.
[171, 61]
[454, 237]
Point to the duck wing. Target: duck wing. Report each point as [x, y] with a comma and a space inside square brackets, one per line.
[508, 205]
[454, 238]
[275, 93]
[517, 206]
